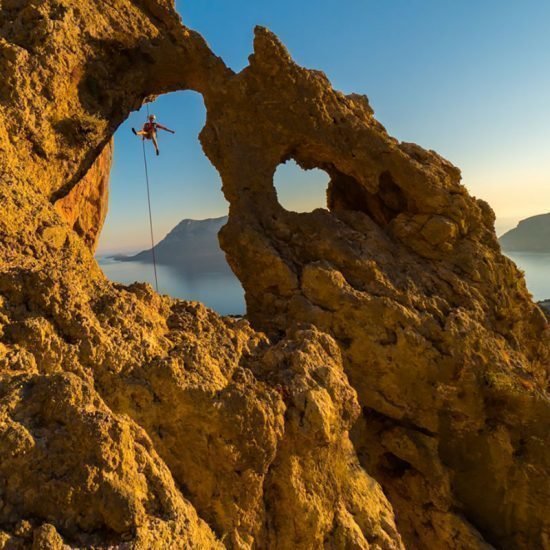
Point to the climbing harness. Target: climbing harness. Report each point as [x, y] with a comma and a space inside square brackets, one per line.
[150, 212]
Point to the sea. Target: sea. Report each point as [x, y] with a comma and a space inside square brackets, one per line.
[223, 292]
[536, 267]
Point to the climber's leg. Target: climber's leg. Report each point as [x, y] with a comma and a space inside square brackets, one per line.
[155, 143]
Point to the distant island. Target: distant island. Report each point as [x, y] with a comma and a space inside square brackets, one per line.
[191, 246]
[530, 235]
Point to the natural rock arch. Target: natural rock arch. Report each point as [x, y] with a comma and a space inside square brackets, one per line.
[182, 180]
[444, 349]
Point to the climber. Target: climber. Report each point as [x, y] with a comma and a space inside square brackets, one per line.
[149, 131]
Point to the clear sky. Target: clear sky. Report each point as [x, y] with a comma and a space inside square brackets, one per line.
[468, 78]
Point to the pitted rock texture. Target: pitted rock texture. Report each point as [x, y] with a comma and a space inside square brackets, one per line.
[397, 394]
[439, 336]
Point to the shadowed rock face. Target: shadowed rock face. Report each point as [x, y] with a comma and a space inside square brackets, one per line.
[399, 392]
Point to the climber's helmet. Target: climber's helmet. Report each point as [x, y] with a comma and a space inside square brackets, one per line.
[152, 118]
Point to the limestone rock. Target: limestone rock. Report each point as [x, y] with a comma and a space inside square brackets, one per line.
[85, 206]
[68, 459]
[397, 392]
[440, 338]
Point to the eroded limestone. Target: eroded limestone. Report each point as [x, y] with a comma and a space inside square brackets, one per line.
[392, 317]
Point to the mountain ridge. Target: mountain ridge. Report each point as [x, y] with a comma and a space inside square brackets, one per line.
[530, 235]
[191, 245]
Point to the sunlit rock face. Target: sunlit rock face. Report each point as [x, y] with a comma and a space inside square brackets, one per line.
[388, 387]
[439, 337]
[84, 207]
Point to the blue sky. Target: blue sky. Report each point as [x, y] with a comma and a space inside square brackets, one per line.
[468, 78]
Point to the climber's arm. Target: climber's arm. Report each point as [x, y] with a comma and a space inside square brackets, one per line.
[161, 127]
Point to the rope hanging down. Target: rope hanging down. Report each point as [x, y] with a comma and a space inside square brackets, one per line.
[150, 215]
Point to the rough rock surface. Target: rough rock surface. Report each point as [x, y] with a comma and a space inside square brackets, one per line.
[85, 206]
[439, 336]
[397, 395]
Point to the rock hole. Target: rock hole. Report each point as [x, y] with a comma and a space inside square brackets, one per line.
[394, 465]
[304, 190]
[187, 205]
[300, 190]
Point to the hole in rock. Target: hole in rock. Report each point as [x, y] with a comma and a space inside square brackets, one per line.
[188, 210]
[345, 193]
[325, 186]
[300, 190]
[394, 465]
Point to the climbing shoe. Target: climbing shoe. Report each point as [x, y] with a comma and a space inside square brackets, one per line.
[134, 130]
[158, 152]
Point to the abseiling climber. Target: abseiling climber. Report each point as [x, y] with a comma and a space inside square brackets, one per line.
[149, 131]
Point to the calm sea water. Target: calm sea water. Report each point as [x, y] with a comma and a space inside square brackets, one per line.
[223, 291]
[537, 272]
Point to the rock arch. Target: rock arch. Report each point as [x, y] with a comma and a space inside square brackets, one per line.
[402, 314]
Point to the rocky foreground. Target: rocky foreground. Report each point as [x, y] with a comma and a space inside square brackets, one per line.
[389, 387]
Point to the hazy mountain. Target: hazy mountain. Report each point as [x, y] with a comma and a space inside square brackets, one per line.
[531, 235]
[192, 245]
